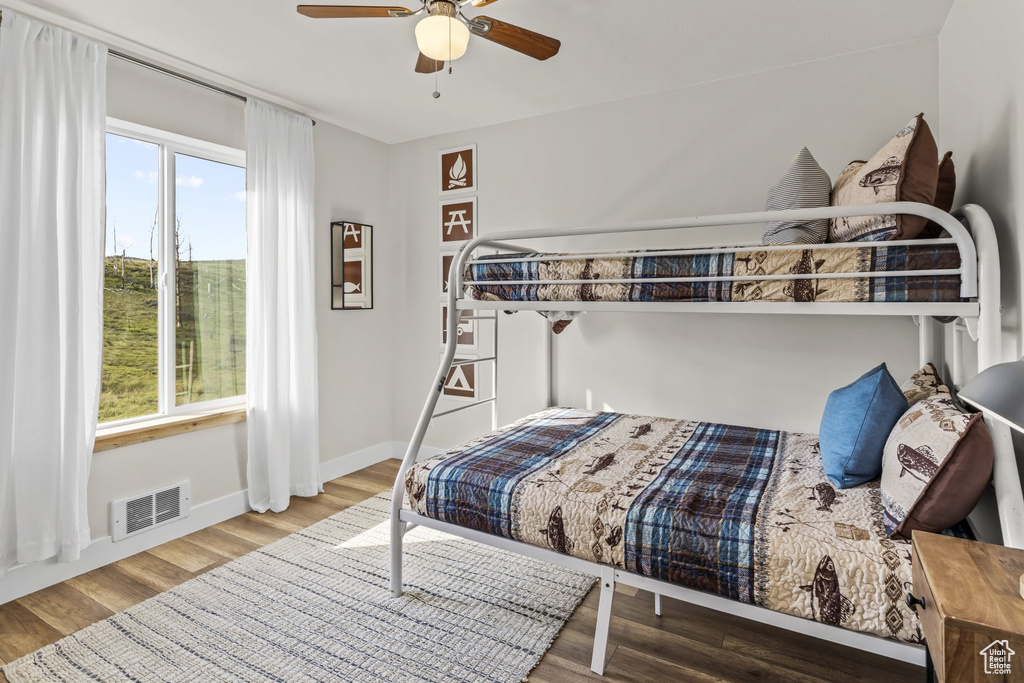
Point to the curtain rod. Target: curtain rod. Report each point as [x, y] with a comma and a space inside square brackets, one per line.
[173, 74]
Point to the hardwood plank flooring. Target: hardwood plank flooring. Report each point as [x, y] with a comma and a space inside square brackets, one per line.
[687, 643]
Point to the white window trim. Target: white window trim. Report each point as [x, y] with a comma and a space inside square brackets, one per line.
[169, 145]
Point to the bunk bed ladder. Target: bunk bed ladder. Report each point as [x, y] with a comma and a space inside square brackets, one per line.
[477, 362]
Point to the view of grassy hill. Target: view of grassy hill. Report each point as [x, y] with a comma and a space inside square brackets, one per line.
[209, 338]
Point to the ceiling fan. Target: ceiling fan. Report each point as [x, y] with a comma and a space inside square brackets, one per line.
[443, 33]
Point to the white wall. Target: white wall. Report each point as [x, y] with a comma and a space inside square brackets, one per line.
[981, 83]
[712, 148]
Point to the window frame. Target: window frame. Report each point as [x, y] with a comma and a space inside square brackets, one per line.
[168, 145]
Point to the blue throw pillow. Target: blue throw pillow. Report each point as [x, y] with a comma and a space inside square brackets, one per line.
[857, 421]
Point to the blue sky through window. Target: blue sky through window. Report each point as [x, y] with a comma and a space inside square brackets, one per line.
[210, 199]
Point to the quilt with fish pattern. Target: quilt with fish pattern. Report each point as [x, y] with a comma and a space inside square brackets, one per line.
[880, 264]
[744, 513]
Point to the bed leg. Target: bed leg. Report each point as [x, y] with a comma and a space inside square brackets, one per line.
[657, 604]
[396, 558]
[604, 618]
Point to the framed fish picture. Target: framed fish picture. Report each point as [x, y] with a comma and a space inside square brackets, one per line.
[458, 170]
[351, 266]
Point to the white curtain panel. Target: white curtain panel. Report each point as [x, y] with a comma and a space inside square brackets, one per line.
[53, 94]
[281, 348]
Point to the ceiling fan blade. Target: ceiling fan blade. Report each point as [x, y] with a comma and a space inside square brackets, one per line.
[482, 3]
[426, 65]
[528, 42]
[350, 11]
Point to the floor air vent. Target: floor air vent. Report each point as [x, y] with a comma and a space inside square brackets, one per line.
[130, 516]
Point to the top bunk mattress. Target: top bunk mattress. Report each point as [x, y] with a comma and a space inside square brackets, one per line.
[572, 278]
[744, 513]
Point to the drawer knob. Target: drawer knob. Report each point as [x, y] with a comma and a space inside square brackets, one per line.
[913, 602]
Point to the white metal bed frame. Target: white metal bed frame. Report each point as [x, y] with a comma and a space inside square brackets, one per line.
[980, 311]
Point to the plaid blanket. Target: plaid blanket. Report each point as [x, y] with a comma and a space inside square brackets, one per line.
[694, 524]
[879, 264]
[744, 513]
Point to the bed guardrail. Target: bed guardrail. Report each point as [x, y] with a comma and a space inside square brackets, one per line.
[959, 236]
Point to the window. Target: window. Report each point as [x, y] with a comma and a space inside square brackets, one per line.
[174, 288]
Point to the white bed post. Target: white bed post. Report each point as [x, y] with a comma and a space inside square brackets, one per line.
[604, 620]
[930, 342]
[398, 527]
[988, 333]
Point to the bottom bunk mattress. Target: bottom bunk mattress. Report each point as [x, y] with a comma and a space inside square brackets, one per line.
[745, 513]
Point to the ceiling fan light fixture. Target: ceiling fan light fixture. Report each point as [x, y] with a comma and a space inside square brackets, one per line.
[442, 38]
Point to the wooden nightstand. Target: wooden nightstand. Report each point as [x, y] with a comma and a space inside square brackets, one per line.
[967, 595]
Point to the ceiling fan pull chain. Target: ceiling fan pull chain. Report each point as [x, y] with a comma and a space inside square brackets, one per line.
[437, 93]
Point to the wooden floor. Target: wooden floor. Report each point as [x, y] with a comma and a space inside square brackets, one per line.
[686, 643]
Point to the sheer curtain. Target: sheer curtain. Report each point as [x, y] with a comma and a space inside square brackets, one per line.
[281, 374]
[53, 94]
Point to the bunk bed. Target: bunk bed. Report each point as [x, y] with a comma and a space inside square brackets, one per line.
[468, 490]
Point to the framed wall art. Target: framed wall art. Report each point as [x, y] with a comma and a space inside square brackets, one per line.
[457, 220]
[461, 382]
[466, 330]
[458, 169]
[446, 265]
[351, 266]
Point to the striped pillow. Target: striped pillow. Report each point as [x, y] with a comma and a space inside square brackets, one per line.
[805, 186]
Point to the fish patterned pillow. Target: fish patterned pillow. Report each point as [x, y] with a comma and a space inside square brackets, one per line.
[906, 169]
[922, 384]
[935, 467]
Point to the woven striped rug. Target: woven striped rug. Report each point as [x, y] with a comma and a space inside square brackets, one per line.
[314, 606]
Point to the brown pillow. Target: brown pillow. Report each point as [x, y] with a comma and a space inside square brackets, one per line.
[944, 193]
[904, 170]
[935, 466]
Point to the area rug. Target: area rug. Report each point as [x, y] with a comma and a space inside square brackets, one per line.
[315, 606]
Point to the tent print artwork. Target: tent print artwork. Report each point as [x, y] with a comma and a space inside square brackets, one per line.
[461, 381]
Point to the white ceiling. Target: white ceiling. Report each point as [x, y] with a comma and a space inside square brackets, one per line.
[358, 73]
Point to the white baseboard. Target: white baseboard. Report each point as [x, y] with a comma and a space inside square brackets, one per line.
[21, 580]
[24, 579]
[400, 447]
[353, 462]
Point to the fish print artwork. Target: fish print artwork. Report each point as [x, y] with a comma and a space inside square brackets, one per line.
[828, 604]
[888, 174]
[602, 463]
[919, 462]
[825, 495]
[805, 289]
[555, 532]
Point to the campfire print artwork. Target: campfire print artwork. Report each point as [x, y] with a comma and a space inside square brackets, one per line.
[461, 380]
[458, 222]
[458, 170]
[351, 266]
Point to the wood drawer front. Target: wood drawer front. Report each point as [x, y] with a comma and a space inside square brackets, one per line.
[931, 620]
